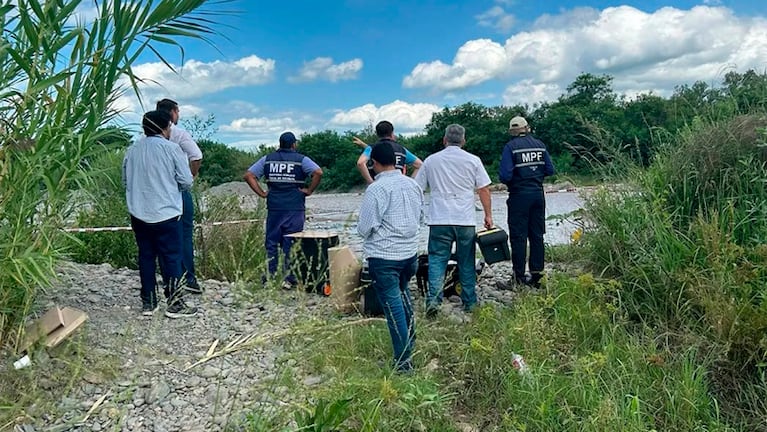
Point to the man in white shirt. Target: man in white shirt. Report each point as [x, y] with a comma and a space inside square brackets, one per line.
[194, 155]
[453, 175]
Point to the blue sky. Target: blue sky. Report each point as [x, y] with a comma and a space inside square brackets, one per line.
[307, 66]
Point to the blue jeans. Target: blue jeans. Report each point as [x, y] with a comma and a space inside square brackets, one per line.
[278, 224]
[187, 232]
[390, 280]
[163, 240]
[441, 239]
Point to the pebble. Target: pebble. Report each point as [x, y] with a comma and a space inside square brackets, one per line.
[158, 392]
[210, 372]
[312, 381]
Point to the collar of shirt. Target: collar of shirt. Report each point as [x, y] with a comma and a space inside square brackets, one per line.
[388, 173]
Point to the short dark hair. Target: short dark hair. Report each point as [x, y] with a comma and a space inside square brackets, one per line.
[384, 129]
[155, 121]
[166, 105]
[383, 153]
[287, 140]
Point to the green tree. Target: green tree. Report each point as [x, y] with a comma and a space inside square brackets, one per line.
[337, 155]
[747, 90]
[643, 117]
[690, 102]
[199, 128]
[569, 123]
[58, 85]
[222, 164]
[486, 129]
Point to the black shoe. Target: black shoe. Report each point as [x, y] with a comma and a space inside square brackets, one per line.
[178, 309]
[193, 287]
[534, 280]
[149, 308]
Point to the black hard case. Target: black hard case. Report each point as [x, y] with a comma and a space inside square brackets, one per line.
[494, 244]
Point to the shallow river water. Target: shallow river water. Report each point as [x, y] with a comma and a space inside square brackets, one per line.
[338, 213]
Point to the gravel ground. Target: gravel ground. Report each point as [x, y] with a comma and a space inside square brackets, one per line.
[150, 388]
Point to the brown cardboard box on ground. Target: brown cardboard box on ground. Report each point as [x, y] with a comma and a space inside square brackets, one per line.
[54, 326]
[344, 278]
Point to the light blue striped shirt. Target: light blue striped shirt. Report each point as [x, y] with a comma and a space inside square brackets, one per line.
[391, 214]
[155, 171]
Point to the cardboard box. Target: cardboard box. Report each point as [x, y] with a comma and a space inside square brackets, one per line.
[54, 326]
[344, 278]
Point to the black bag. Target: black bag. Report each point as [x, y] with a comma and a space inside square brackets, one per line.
[494, 244]
[452, 284]
[371, 306]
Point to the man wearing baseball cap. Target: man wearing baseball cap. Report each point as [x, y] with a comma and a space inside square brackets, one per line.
[285, 172]
[524, 163]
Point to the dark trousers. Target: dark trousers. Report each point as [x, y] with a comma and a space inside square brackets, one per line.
[187, 234]
[186, 241]
[157, 240]
[527, 222]
[278, 224]
[390, 281]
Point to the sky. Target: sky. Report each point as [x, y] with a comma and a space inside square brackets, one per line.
[307, 66]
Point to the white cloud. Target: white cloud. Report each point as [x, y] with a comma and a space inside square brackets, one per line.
[84, 14]
[497, 18]
[254, 131]
[475, 62]
[406, 117]
[657, 50]
[323, 68]
[260, 125]
[529, 92]
[196, 78]
[266, 128]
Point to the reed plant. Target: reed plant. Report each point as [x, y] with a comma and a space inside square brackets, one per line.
[59, 80]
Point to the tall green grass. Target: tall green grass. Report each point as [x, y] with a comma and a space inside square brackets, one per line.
[232, 252]
[669, 335]
[685, 239]
[590, 369]
[104, 205]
